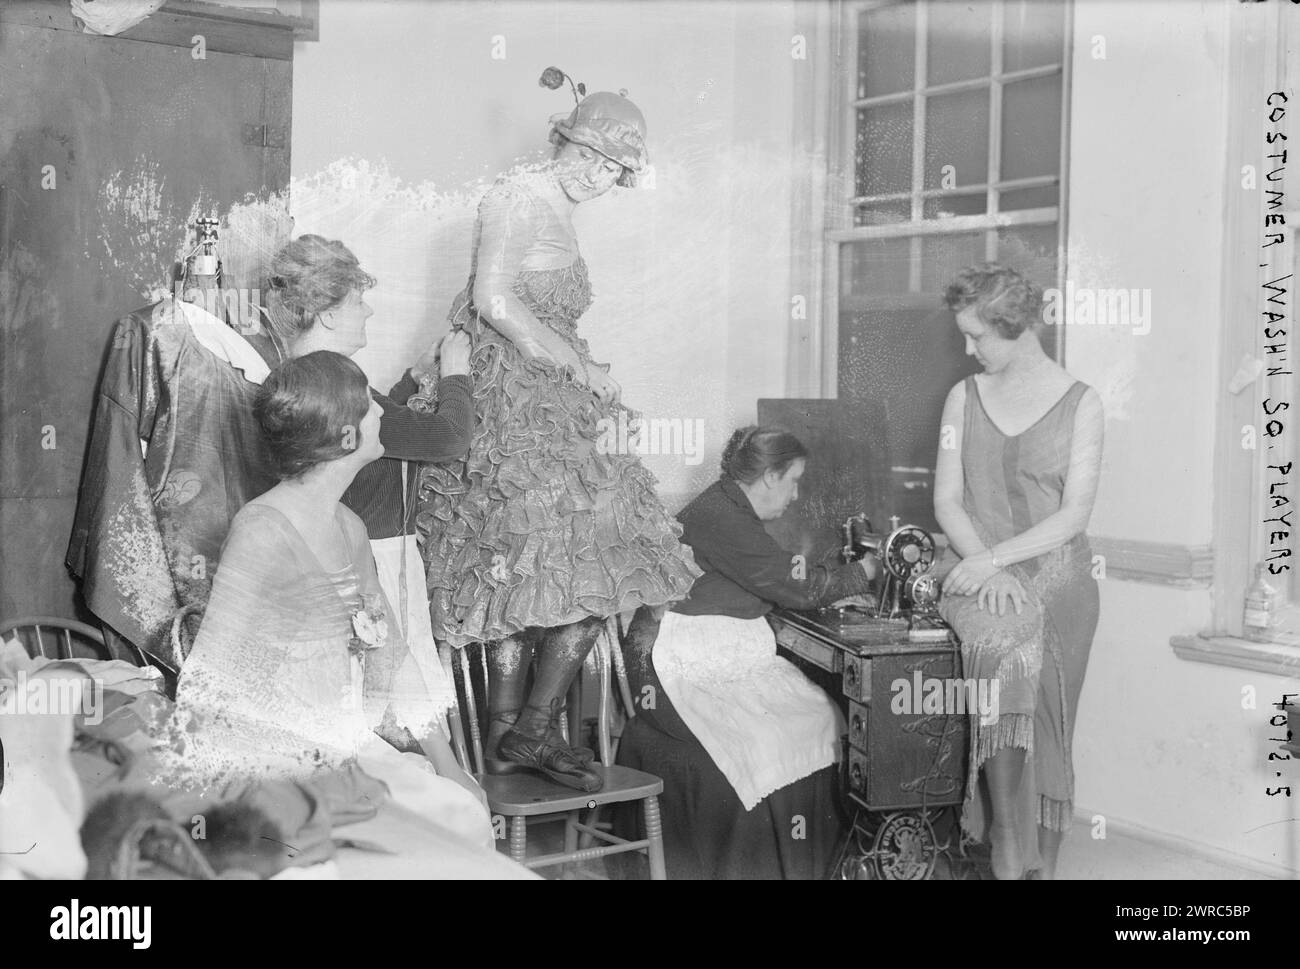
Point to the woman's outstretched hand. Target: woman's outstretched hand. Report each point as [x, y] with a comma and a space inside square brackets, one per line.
[448, 357]
[454, 354]
[1000, 593]
[605, 387]
[969, 574]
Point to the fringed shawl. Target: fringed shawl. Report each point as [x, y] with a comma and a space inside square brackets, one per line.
[271, 685]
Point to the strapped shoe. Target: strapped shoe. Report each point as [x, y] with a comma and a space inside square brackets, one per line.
[498, 727]
[502, 723]
[550, 755]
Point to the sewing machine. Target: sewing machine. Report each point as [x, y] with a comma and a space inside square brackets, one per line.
[906, 557]
[904, 767]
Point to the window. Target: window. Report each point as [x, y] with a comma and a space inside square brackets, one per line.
[1264, 57]
[1265, 42]
[947, 147]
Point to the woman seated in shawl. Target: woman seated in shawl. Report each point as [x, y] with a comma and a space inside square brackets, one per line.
[317, 303]
[297, 662]
[744, 742]
[1014, 494]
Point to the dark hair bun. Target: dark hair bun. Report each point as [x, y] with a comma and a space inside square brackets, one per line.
[752, 451]
[739, 438]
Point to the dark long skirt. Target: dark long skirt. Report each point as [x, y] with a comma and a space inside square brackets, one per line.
[791, 834]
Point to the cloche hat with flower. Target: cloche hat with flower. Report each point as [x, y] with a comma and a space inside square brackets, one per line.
[604, 121]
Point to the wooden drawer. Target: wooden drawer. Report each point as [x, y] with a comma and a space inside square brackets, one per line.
[857, 773]
[857, 678]
[915, 757]
[859, 717]
[801, 644]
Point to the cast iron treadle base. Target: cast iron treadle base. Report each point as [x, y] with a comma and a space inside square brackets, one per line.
[904, 846]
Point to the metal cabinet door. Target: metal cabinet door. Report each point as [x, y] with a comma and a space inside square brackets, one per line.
[108, 148]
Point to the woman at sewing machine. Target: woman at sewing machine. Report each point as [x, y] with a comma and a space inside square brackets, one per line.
[745, 744]
[1013, 493]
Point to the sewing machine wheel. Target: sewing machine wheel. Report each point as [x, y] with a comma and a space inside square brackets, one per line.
[905, 848]
[908, 551]
[922, 590]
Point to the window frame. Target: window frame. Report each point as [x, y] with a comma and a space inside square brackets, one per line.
[1258, 64]
[841, 197]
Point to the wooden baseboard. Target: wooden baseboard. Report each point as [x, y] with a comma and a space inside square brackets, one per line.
[1215, 855]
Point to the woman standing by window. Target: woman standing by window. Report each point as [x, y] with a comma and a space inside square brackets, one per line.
[1013, 493]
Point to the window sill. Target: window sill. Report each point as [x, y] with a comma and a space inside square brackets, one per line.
[1281, 658]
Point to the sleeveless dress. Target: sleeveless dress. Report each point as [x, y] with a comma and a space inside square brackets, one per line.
[1038, 659]
[542, 525]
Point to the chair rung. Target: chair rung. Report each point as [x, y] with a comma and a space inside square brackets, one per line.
[597, 833]
[585, 854]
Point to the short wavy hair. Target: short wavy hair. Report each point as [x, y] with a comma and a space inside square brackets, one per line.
[310, 410]
[1003, 299]
[309, 276]
[626, 179]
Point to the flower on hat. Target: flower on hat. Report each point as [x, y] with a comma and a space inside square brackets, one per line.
[553, 78]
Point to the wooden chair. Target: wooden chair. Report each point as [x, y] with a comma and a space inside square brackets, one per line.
[124, 649]
[528, 797]
[32, 632]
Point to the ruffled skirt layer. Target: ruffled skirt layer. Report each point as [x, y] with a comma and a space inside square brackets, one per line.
[545, 524]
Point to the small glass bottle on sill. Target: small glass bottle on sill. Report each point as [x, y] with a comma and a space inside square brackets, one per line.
[1263, 602]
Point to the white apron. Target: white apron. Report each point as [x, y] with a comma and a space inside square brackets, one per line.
[409, 598]
[763, 722]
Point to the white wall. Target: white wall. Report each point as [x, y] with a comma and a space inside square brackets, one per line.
[1161, 742]
[691, 277]
[692, 285]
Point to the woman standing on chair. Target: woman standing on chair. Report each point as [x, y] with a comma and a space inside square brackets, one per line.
[542, 535]
[1013, 494]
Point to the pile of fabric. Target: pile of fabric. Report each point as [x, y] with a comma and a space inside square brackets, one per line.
[81, 797]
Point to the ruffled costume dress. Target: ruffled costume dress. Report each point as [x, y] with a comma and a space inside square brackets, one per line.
[541, 526]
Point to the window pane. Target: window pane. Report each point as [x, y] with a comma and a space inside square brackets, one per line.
[897, 362]
[1041, 197]
[1033, 33]
[873, 267]
[883, 213]
[957, 135]
[948, 206]
[1032, 250]
[959, 41]
[883, 153]
[943, 256]
[1031, 128]
[887, 50]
